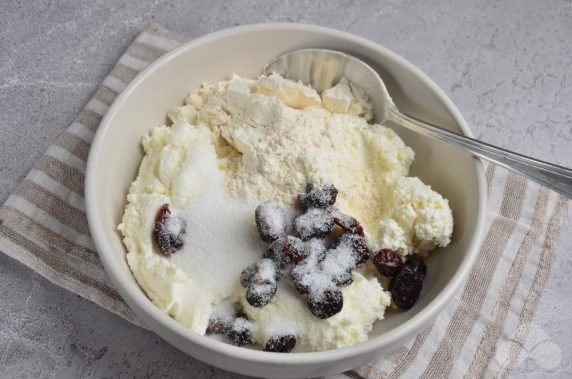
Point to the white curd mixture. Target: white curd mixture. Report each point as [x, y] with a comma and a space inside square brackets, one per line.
[242, 142]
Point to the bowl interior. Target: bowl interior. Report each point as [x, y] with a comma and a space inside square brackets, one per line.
[117, 152]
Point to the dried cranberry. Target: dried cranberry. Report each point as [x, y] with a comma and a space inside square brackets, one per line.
[247, 274]
[280, 344]
[270, 221]
[276, 252]
[362, 251]
[295, 249]
[298, 282]
[339, 264]
[325, 303]
[216, 326]
[415, 267]
[260, 281]
[315, 223]
[318, 197]
[343, 279]
[169, 231]
[357, 244]
[260, 272]
[315, 249]
[387, 262]
[260, 294]
[406, 286]
[240, 331]
[348, 223]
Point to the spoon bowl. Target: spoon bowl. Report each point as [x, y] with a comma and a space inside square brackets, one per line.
[323, 69]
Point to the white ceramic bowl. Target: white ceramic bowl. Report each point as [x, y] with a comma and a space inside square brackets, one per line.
[116, 154]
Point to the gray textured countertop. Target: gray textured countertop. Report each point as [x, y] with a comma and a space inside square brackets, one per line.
[507, 65]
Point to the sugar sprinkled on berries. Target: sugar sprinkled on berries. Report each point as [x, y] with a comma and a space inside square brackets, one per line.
[304, 258]
[295, 249]
[169, 231]
[318, 197]
[240, 331]
[339, 263]
[356, 244]
[260, 280]
[325, 303]
[259, 295]
[348, 223]
[216, 326]
[315, 223]
[247, 274]
[280, 343]
[270, 221]
[221, 317]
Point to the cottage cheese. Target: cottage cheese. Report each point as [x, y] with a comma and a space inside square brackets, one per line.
[237, 143]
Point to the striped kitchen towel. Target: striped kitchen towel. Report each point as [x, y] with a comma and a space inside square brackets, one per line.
[481, 332]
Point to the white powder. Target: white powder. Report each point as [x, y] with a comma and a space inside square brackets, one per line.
[241, 325]
[273, 150]
[221, 239]
[313, 219]
[339, 261]
[310, 273]
[266, 270]
[175, 225]
[270, 220]
[224, 312]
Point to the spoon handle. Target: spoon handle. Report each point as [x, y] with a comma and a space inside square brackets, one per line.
[555, 177]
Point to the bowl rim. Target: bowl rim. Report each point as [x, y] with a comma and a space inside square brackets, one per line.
[157, 320]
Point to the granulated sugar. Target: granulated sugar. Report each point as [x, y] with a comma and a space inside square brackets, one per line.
[222, 239]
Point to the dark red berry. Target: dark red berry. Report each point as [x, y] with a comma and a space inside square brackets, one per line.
[163, 213]
[325, 303]
[247, 274]
[348, 223]
[259, 279]
[361, 250]
[258, 295]
[343, 279]
[404, 294]
[315, 249]
[318, 197]
[315, 223]
[387, 262]
[216, 326]
[260, 272]
[295, 249]
[406, 286]
[169, 231]
[416, 268]
[270, 221]
[240, 331]
[357, 244]
[276, 251]
[280, 344]
[298, 282]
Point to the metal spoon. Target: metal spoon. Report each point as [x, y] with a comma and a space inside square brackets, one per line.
[322, 69]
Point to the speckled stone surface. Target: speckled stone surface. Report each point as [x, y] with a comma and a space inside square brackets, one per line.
[507, 65]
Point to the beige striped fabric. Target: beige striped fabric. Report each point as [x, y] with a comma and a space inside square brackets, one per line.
[480, 334]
